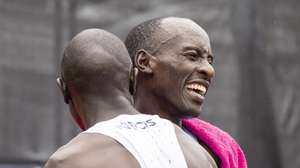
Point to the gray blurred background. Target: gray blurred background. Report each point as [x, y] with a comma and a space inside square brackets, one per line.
[255, 95]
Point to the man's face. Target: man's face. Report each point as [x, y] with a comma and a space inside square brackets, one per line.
[182, 72]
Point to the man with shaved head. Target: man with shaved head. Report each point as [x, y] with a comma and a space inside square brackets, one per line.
[174, 60]
[172, 71]
[95, 83]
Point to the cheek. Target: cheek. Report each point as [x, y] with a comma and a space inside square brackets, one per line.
[172, 65]
[181, 71]
[172, 72]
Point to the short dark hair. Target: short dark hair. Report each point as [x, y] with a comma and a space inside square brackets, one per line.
[142, 37]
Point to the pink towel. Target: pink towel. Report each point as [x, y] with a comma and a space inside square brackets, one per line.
[220, 142]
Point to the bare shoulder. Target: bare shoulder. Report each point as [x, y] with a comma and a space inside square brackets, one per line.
[93, 151]
[194, 153]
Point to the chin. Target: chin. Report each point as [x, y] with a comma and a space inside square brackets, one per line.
[192, 112]
[196, 114]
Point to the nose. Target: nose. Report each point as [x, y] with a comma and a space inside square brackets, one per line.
[206, 70]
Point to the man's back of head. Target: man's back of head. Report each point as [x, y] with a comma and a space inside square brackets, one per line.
[95, 83]
[94, 61]
[95, 76]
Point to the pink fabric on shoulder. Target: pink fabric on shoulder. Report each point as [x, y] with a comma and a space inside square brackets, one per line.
[220, 142]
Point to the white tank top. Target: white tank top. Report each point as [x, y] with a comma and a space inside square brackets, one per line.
[150, 139]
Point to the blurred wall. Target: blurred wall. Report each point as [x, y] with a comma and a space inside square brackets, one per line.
[254, 96]
[32, 121]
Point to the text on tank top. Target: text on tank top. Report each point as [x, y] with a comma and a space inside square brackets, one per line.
[150, 139]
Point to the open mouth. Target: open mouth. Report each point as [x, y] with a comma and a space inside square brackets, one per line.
[196, 88]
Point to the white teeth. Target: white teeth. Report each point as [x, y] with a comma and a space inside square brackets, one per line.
[200, 88]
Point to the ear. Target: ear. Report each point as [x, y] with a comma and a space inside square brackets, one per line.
[143, 61]
[62, 86]
[67, 98]
[133, 77]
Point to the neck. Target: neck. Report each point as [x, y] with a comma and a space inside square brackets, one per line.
[100, 110]
[147, 103]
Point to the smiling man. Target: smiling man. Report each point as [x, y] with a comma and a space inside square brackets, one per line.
[172, 72]
[174, 62]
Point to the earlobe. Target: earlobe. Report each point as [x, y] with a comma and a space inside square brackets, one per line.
[143, 61]
[63, 89]
[133, 78]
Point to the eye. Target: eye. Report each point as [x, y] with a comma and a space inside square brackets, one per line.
[210, 59]
[192, 55]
